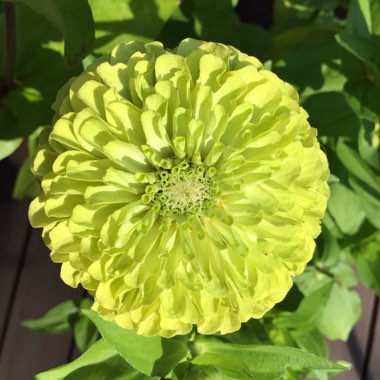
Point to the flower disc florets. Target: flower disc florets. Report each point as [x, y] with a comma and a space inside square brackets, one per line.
[180, 187]
[184, 190]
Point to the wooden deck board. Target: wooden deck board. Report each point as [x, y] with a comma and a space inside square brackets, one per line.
[13, 232]
[374, 359]
[357, 342]
[339, 351]
[28, 352]
[354, 350]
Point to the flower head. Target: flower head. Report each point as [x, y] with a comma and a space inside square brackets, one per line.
[180, 187]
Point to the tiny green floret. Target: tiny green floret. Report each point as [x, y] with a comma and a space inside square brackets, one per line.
[185, 189]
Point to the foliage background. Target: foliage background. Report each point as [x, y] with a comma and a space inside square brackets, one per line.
[330, 51]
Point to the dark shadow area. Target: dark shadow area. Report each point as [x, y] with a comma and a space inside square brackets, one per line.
[8, 173]
[258, 12]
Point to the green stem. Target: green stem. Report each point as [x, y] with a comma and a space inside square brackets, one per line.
[10, 46]
[328, 274]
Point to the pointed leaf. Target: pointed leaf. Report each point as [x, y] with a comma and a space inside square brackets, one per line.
[56, 320]
[259, 362]
[150, 355]
[100, 362]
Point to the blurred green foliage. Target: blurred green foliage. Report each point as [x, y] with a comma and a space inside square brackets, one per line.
[330, 51]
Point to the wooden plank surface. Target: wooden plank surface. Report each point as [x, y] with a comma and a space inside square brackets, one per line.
[358, 339]
[374, 358]
[13, 233]
[27, 352]
[339, 351]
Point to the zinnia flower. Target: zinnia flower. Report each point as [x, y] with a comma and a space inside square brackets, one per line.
[180, 187]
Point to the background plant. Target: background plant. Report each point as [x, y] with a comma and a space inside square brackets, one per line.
[330, 51]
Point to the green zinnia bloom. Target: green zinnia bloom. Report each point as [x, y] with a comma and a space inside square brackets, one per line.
[180, 187]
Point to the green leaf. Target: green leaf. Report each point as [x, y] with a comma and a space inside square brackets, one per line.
[309, 312]
[356, 166]
[337, 118]
[328, 64]
[341, 313]
[287, 41]
[348, 219]
[249, 38]
[369, 143]
[342, 308]
[369, 201]
[331, 254]
[367, 257]
[259, 362]
[366, 49]
[100, 362]
[56, 320]
[251, 332]
[125, 20]
[356, 23]
[371, 13]
[201, 19]
[311, 280]
[85, 332]
[29, 102]
[342, 273]
[150, 355]
[362, 96]
[40, 72]
[73, 18]
[26, 185]
[189, 371]
[7, 147]
[310, 341]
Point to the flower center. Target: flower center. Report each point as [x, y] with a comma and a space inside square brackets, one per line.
[185, 189]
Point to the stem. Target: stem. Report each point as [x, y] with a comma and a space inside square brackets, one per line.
[328, 274]
[10, 46]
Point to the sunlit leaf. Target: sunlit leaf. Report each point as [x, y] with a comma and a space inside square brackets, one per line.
[356, 166]
[73, 18]
[310, 341]
[100, 362]
[369, 143]
[258, 362]
[125, 20]
[309, 312]
[26, 185]
[366, 49]
[150, 355]
[7, 147]
[371, 13]
[342, 311]
[369, 201]
[348, 219]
